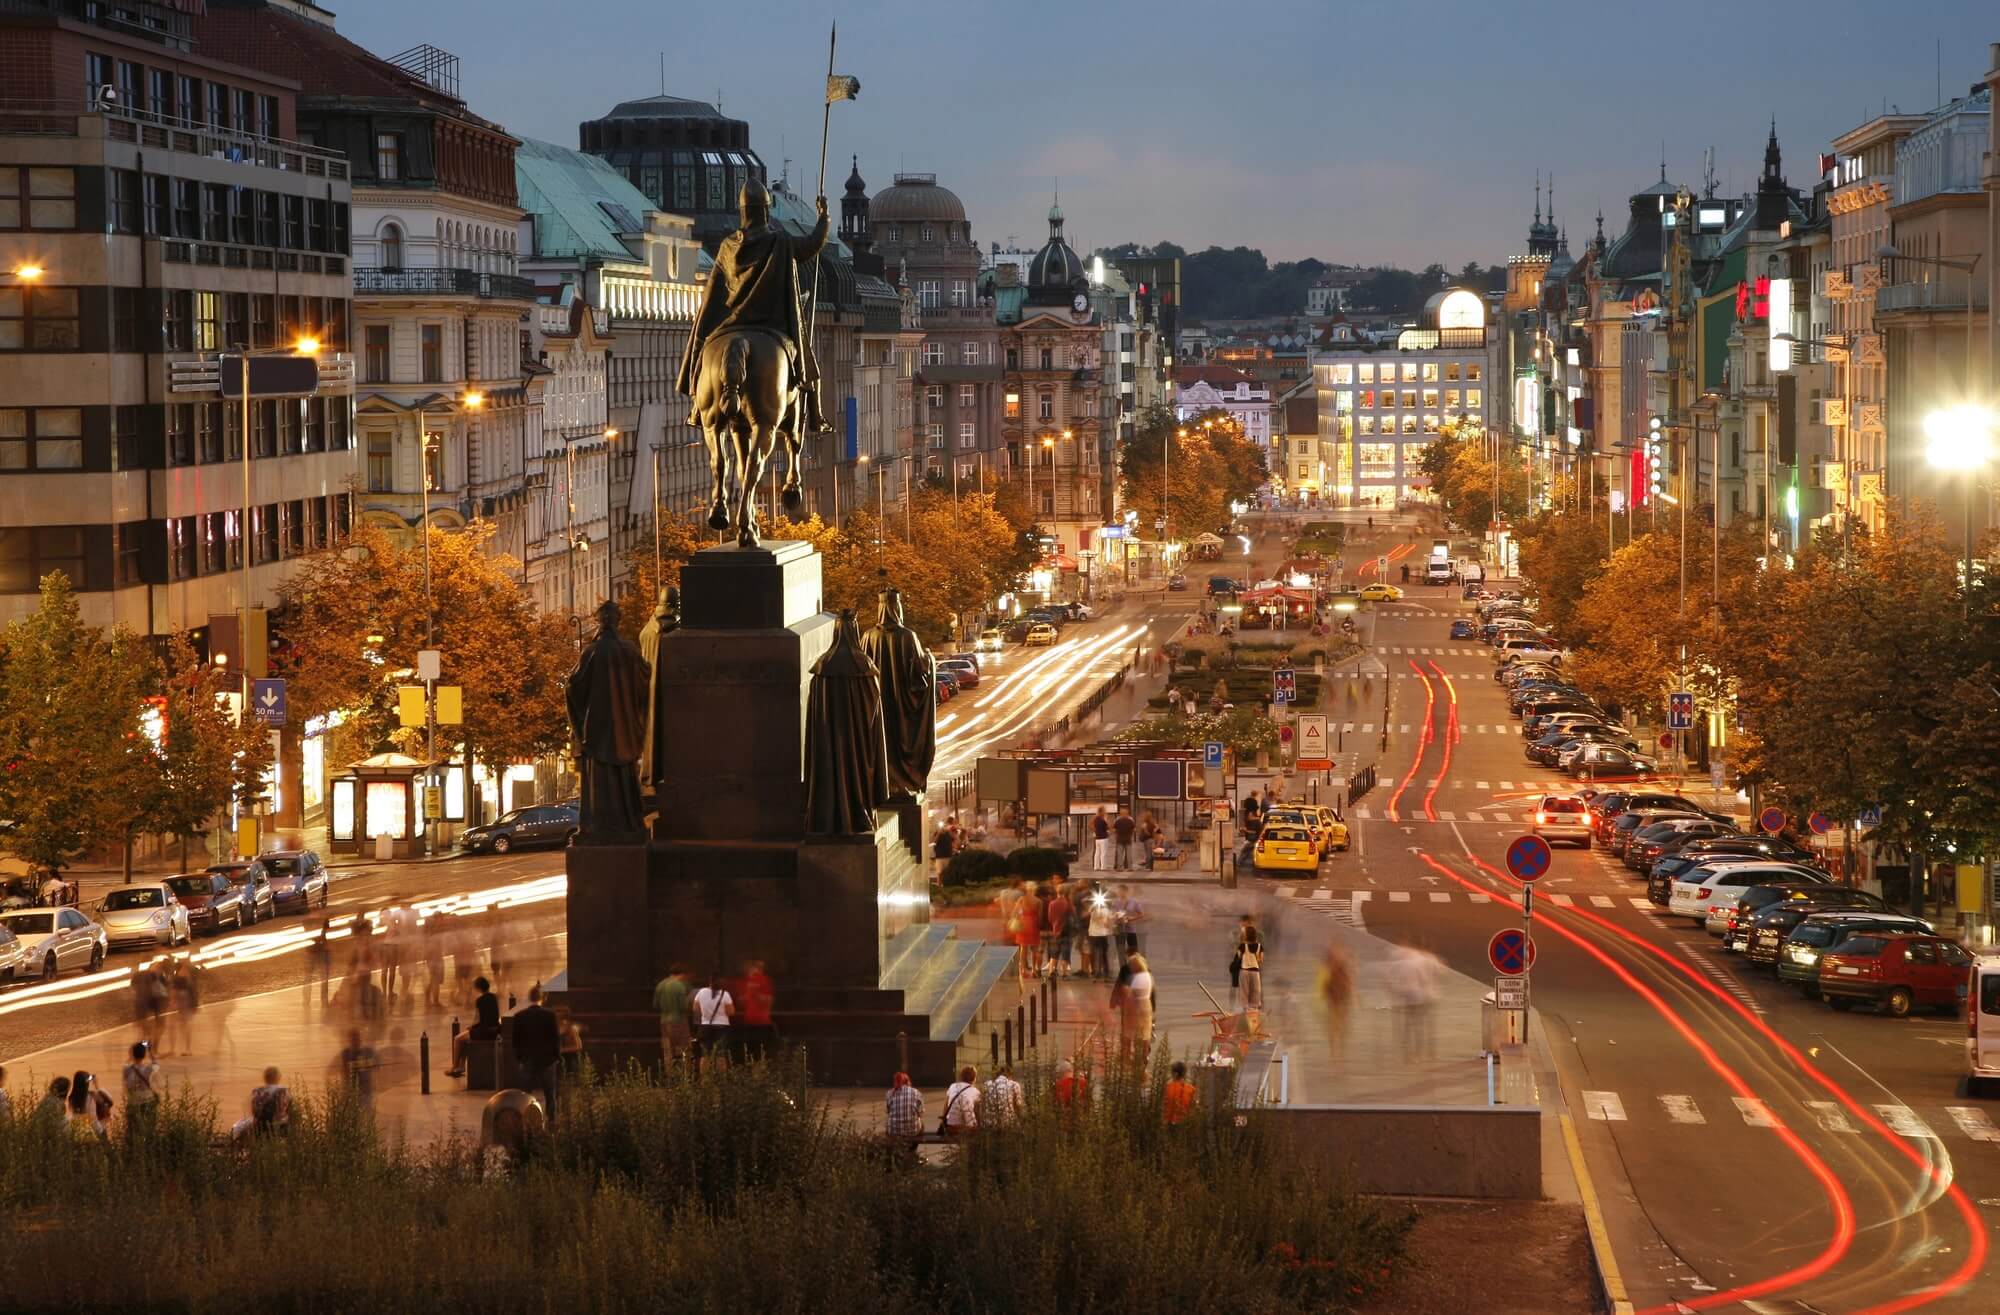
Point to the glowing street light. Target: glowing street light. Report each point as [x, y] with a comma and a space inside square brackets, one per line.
[28, 272]
[1960, 440]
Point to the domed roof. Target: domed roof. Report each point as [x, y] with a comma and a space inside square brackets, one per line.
[664, 107]
[855, 185]
[917, 196]
[1055, 267]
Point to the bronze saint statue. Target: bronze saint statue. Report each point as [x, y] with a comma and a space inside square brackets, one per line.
[749, 366]
[846, 764]
[665, 620]
[607, 712]
[908, 675]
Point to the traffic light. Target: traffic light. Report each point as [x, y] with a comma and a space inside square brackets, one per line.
[1655, 459]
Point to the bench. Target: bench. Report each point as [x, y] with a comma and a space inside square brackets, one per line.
[486, 1063]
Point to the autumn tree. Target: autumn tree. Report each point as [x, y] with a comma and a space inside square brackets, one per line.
[1560, 555]
[1188, 471]
[680, 538]
[1462, 477]
[76, 769]
[208, 755]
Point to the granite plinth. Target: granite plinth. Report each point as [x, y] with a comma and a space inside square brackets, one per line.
[765, 588]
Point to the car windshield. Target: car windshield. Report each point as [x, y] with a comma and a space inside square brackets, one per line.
[1854, 945]
[144, 897]
[1562, 805]
[1815, 933]
[1284, 833]
[29, 924]
[188, 886]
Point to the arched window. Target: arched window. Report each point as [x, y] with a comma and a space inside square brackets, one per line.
[392, 247]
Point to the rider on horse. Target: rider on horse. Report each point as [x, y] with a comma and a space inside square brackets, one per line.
[755, 285]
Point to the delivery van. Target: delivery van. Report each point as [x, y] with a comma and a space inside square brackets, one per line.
[1982, 1027]
[1437, 571]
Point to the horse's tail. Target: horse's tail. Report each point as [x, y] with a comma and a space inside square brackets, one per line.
[735, 372]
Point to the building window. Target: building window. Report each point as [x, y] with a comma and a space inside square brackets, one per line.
[933, 353]
[927, 234]
[381, 463]
[218, 105]
[38, 319]
[375, 354]
[208, 432]
[267, 116]
[183, 545]
[928, 294]
[934, 435]
[968, 353]
[29, 553]
[33, 197]
[1430, 399]
[1430, 374]
[959, 296]
[246, 111]
[392, 247]
[968, 434]
[968, 395]
[180, 433]
[388, 156]
[1409, 399]
[1048, 358]
[1450, 370]
[1013, 406]
[207, 322]
[1472, 371]
[1409, 372]
[431, 346]
[45, 438]
[934, 396]
[1472, 399]
[1045, 406]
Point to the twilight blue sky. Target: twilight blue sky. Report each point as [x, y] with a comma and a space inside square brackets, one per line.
[1352, 130]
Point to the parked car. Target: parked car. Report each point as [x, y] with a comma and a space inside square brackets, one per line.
[959, 670]
[1222, 584]
[992, 640]
[1764, 941]
[1600, 760]
[1982, 1026]
[297, 877]
[1822, 933]
[1378, 592]
[13, 959]
[1555, 745]
[1753, 900]
[1710, 892]
[1629, 822]
[144, 913]
[1543, 722]
[1041, 635]
[52, 940]
[1017, 630]
[1651, 840]
[212, 902]
[947, 689]
[1562, 817]
[536, 824]
[1733, 844]
[1286, 846]
[1896, 973]
[1463, 629]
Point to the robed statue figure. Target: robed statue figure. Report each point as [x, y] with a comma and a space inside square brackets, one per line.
[846, 767]
[607, 712]
[750, 368]
[908, 675]
[665, 620]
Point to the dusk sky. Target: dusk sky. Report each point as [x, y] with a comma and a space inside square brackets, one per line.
[1356, 131]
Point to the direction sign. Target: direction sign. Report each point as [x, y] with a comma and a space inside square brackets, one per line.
[1772, 820]
[1511, 952]
[1680, 710]
[1820, 823]
[267, 700]
[1528, 857]
[1211, 754]
[1312, 742]
[1510, 992]
[1528, 900]
[1284, 685]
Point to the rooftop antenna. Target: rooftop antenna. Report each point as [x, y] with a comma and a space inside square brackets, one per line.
[1940, 70]
[663, 72]
[718, 100]
[1663, 159]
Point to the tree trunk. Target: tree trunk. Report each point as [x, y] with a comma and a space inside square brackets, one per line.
[128, 855]
[1917, 861]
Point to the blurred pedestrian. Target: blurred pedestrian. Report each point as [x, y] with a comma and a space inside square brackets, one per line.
[571, 1033]
[961, 1105]
[1060, 919]
[270, 1108]
[1177, 1101]
[433, 939]
[54, 1109]
[141, 1092]
[357, 1065]
[941, 850]
[1130, 914]
[184, 998]
[148, 998]
[670, 1001]
[1187, 702]
[756, 997]
[1123, 828]
[89, 1108]
[1102, 925]
[319, 963]
[1336, 985]
[1413, 985]
[1243, 929]
[1100, 841]
[538, 1049]
[1027, 924]
[485, 1026]
[714, 1008]
[1134, 999]
[906, 1117]
[1070, 1088]
[1003, 1099]
[1252, 955]
[6, 1100]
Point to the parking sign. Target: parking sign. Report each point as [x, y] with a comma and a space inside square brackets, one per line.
[1284, 685]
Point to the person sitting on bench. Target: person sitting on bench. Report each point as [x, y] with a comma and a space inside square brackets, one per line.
[485, 1026]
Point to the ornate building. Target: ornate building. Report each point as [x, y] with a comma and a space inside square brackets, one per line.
[685, 156]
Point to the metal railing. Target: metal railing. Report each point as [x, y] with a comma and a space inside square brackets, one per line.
[445, 281]
[61, 117]
[1929, 294]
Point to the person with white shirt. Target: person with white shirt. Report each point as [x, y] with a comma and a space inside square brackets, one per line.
[1135, 1011]
[713, 1008]
[1103, 923]
[961, 1104]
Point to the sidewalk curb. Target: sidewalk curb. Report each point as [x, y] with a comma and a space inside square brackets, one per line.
[1611, 1291]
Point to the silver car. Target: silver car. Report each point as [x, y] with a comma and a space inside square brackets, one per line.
[144, 914]
[11, 959]
[55, 939]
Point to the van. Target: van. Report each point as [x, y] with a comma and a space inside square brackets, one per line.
[1471, 572]
[1982, 1027]
[1437, 571]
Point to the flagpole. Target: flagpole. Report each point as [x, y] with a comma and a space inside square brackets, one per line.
[812, 315]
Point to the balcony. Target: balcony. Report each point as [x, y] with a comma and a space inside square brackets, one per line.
[126, 123]
[1929, 294]
[442, 283]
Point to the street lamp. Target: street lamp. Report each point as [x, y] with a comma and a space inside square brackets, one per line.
[1049, 460]
[27, 272]
[471, 400]
[1961, 440]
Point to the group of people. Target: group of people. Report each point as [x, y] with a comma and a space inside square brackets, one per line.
[970, 1107]
[1047, 921]
[724, 1018]
[1118, 839]
[953, 837]
[165, 995]
[81, 1106]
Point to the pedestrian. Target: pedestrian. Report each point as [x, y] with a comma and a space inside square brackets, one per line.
[670, 1001]
[485, 1026]
[389, 932]
[1060, 919]
[1243, 929]
[145, 1013]
[1100, 834]
[141, 1092]
[433, 938]
[89, 1109]
[1122, 830]
[1252, 954]
[358, 1063]
[1070, 1088]
[537, 1049]
[941, 844]
[1003, 1099]
[1413, 985]
[185, 998]
[1149, 840]
[54, 1109]
[1178, 1100]
[906, 1118]
[270, 1108]
[1130, 914]
[571, 1034]
[756, 996]
[319, 963]
[1135, 1011]
[713, 1009]
[1028, 934]
[1187, 702]
[52, 889]
[961, 1105]
[1102, 925]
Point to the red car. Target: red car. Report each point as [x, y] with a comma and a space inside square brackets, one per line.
[1896, 973]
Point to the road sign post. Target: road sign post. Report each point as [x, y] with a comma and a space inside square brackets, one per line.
[1511, 952]
[1284, 685]
[1211, 755]
[1313, 753]
[1771, 820]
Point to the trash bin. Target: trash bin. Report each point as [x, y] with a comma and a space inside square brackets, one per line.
[385, 848]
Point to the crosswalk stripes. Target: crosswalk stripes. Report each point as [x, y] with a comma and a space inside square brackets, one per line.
[1480, 899]
[1643, 905]
[1973, 1122]
[1682, 1109]
[1903, 1121]
[1444, 816]
[1755, 1113]
[1602, 901]
[1968, 1121]
[1562, 901]
[1399, 897]
[1440, 897]
[1355, 906]
[1604, 1106]
[1831, 1117]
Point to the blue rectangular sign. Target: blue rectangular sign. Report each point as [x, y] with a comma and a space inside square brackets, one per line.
[267, 701]
[1211, 754]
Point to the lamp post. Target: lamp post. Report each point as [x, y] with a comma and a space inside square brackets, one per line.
[471, 400]
[1961, 440]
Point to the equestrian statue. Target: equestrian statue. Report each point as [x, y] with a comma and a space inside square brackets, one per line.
[749, 366]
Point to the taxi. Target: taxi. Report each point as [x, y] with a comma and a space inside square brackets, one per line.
[1286, 846]
[1381, 593]
[1040, 635]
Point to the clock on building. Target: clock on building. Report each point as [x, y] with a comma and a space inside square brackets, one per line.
[1080, 304]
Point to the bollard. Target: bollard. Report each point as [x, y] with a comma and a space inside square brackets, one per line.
[994, 1037]
[1007, 1032]
[902, 1052]
[1054, 995]
[454, 1027]
[1021, 1028]
[424, 1060]
[1034, 1028]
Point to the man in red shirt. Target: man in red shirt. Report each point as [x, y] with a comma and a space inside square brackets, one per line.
[1177, 1101]
[1071, 1089]
[755, 996]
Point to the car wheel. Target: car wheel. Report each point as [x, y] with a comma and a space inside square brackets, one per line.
[1897, 1003]
[501, 844]
[96, 958]
[1840, 1003]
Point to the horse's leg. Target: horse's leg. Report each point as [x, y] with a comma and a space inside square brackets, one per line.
[718, 465]
[753, 448]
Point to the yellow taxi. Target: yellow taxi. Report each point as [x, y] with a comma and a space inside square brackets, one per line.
[1332, 831]
[1286, 846]
[1381, 593]
[1040, 635]
[1329, 833]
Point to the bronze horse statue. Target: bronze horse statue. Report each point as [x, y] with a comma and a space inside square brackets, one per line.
[745, 402]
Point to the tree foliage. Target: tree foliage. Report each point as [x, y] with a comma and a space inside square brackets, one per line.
[1210, 465]
[208, 756]
[1462, 476]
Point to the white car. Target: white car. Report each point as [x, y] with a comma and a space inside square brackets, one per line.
[1562, 817]
[1711, 897]
[991, 641]
[55, 939]
[147, 913]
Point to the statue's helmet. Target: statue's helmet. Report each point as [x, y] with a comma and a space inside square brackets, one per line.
[754, 204]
